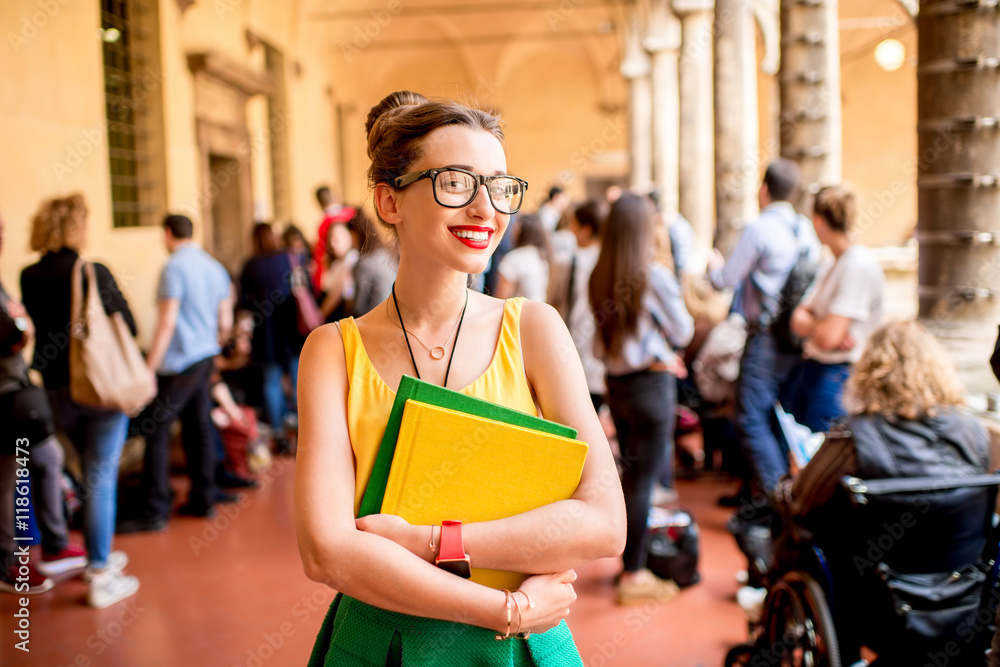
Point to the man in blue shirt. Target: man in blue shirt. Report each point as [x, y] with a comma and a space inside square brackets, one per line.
[758, 268]
[194, 312]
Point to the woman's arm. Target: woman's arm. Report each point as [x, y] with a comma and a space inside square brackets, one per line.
[366, 566]
[564, 534]
[112, 297]
[829, 333]
[666, 291]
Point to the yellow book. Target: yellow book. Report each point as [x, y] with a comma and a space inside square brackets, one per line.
[457, 466]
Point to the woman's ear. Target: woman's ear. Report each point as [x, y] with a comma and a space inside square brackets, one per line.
[387, 203]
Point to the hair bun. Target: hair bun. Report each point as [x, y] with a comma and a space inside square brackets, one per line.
[396, 100]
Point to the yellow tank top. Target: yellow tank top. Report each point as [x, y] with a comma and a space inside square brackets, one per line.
[369, 399]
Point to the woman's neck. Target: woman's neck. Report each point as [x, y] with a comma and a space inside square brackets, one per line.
[429, 297]
[839, 243]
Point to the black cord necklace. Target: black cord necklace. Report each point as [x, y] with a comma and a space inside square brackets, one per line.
[406, 337]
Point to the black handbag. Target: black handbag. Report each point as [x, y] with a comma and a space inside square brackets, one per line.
[673, 546]
[24, 414]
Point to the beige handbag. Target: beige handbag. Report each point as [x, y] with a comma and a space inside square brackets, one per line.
[106, 369]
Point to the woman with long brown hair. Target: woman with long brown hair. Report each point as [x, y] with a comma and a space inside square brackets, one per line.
[640, 317]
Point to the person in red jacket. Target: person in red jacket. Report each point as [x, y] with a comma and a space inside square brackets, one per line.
[333, 212]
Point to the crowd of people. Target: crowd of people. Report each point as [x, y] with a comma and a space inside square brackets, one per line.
[802, 331]
[222, 360]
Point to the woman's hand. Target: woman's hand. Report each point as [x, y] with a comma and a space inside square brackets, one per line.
[551, 594]
[397, 529]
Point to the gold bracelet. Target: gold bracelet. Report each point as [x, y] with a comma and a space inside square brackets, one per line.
[432, 545]
[507, 598]
[531, 605]
[520, 619]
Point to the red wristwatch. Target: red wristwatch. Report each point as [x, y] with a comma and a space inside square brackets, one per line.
[451, 556]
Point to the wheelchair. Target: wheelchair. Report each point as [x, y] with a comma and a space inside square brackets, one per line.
[796, 627]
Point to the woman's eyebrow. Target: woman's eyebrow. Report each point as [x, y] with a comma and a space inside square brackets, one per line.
[466, 167]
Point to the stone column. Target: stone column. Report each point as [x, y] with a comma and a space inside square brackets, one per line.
[663, 42]
[737, 164]
[958, 172]
[697, 133]
[635, 68]
[810, 91]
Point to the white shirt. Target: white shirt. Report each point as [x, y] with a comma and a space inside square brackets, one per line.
[582, 326]
[525, 269]
[850, 286]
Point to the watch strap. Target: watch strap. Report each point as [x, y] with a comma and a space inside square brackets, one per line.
[452, 546]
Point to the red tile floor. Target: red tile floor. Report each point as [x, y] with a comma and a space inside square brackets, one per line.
[230, 592]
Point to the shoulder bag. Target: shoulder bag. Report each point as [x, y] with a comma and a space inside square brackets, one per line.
[106, 369]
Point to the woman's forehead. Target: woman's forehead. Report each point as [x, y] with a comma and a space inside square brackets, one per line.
[457, 145]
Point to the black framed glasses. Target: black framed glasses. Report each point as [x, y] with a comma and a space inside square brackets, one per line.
[457, 188]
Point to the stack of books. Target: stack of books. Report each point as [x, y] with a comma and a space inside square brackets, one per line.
[449, 456]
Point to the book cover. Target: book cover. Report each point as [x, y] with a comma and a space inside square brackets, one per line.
[453, 465]
[431, 394]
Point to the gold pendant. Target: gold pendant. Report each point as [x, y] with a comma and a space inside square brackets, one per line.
[437, 352]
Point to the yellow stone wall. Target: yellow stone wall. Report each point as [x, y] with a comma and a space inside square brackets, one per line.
[52, 110]
[563, 101]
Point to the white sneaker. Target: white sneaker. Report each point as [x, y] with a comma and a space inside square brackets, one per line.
[751, 601]
[109, 587]
[117, 560]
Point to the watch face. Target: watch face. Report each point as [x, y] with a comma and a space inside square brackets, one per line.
[459, 567]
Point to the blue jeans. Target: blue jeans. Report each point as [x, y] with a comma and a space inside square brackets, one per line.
[99, 436]
[819, 396]
[765, 375]
[275, 400]
[643, 406]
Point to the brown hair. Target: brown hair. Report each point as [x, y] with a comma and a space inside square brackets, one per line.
[61, 222]
[396, 125]
[263, 239]
[621, 274]
[838, 207]
[904, 371]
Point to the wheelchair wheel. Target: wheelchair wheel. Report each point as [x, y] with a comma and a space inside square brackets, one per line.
[797, 625]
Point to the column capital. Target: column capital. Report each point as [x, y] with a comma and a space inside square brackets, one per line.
[664, 32]
[662, 42]
[682, 7]
[635, 67]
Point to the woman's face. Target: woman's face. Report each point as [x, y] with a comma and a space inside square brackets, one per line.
[822, 229]
[461, 238]
[341, 240]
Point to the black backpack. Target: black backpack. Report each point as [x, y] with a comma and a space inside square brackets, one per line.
[800, 278]
[673, 545]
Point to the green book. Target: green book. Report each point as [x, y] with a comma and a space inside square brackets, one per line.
[417, 390]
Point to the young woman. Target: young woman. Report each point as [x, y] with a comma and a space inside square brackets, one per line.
[640, 317]
[839, 315]
[59, 231]
[439, 173]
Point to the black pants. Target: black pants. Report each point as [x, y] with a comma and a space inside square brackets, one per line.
[184, 395]
[642, 405]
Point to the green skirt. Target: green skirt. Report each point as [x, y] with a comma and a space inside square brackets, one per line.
[355, 634]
